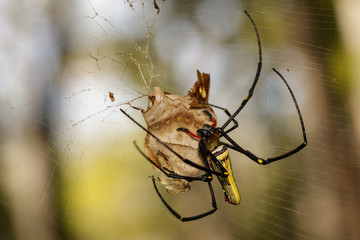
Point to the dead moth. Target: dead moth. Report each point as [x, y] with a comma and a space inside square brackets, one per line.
[168, 113]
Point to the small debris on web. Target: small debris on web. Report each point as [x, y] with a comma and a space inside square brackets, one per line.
[156, 6]
[111, 96]
[200, 91]
[168, 113]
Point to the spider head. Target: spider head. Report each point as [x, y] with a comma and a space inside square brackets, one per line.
[210, 135]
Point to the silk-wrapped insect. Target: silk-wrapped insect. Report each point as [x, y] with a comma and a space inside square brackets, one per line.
[166, 114]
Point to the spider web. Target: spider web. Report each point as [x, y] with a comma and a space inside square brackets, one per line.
[69, 169]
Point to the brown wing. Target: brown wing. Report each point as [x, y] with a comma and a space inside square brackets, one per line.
[200, 90]
[111, 96]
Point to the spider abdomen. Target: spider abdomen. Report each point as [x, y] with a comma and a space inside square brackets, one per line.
[228, 185]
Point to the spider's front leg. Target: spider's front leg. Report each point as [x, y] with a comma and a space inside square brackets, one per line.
[256, 78]
[225, 111]
[264, 161]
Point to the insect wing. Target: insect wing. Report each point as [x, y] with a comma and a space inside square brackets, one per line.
[200, 90]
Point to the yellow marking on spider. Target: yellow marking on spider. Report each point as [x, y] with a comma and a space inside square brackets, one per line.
[247, 97]
[260, 161]
[227, 182]
[222, 156]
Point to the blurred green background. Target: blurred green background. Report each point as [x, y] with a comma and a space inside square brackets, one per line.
[69, 170]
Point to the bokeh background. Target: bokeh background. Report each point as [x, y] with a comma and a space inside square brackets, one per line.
[68, 167]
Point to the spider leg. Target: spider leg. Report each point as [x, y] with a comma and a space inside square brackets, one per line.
[171, 174]
[257, 75]
[202, 147]
[226, 112]
[296, 105]
[186, 219]
[207, 177]
[263, 161]
[205, 152]
[187, 161]
[257, 159]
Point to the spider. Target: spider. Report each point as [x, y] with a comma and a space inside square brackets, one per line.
[214, 153]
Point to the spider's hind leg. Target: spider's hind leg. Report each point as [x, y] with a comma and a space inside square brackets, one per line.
[186, 219]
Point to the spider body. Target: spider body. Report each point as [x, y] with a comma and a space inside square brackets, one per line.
[217, 157]
[214, 153]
